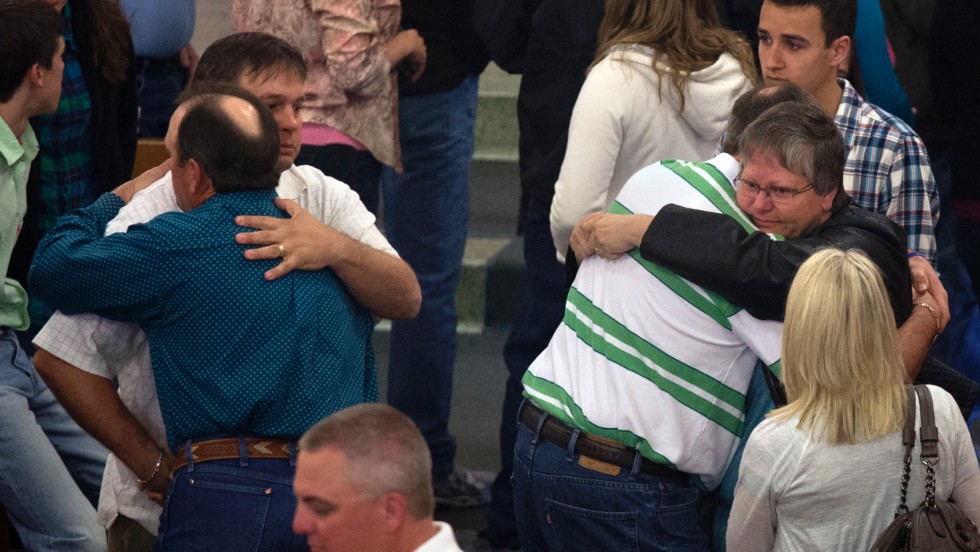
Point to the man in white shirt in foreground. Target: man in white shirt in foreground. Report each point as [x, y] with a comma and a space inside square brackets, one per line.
[364, 482]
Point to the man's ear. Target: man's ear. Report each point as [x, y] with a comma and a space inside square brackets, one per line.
[840, 49]
[395, 511]
[36, 75]
[200, 182]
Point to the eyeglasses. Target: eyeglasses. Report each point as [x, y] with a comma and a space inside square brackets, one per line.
[778, 194]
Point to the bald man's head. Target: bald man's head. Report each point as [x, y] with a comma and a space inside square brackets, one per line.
[232, 136]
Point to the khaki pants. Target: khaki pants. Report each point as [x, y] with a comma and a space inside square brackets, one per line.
[125, 535]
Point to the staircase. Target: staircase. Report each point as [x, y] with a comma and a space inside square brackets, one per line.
[490, 283]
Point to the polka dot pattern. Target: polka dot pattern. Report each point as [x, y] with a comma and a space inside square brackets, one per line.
[233, 353]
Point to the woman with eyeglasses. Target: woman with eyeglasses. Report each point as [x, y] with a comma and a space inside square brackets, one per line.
[665, 76]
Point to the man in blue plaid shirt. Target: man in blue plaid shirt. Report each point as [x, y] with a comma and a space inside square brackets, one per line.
[887, 170]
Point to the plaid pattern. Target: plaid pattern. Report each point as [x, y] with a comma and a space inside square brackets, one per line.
[65, 157]
[887, 169]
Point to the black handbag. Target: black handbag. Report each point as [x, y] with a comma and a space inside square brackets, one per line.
[936, 525]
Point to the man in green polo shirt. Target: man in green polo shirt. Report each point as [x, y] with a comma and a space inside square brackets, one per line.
[48, 508]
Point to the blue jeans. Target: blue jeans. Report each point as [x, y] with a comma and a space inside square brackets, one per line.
[50, 469]
[356, 168]
[233, 505]
[561, 505]
[158, 100]
[538, 315]
[425, 218]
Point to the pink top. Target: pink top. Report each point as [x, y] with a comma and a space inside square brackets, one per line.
[322, 135]
[350, 87]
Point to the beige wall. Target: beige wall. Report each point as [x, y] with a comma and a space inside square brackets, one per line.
[213, 22]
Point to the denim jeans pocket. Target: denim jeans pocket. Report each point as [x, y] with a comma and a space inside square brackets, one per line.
[678, 517]
[577, 528]
[212, 513]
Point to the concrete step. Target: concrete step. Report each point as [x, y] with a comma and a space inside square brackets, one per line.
[474, 303]
[496, 116]
[493, 266]
[493, 263]
[490, 285]
[496, 131]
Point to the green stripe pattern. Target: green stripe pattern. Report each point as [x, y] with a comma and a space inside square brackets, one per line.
[605, 336]
[554, 400]
[611, 339]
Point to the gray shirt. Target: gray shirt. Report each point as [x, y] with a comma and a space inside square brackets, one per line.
[797, 492]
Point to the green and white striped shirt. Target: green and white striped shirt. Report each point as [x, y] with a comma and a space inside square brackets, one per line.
[649, 359]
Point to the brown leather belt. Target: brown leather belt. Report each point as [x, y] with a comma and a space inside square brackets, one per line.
[229, 448]
[593, 446]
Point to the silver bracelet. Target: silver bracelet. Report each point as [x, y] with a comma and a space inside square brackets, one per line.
[156, 469]
[934, 316]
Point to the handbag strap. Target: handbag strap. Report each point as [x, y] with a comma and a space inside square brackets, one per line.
[928, 432]
[908, 439]
[929, 437]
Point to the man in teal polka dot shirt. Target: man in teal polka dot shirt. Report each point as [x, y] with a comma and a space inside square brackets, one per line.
[243, 365]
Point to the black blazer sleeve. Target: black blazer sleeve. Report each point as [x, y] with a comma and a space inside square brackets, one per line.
[755, 272]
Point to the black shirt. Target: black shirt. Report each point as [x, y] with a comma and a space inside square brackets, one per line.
[453, 48]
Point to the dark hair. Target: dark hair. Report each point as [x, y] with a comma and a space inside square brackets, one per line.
[237, 155]
[755, 102]
[29, 33]
[246, 54]
[803, 139]
[838, 17]
[111, 39]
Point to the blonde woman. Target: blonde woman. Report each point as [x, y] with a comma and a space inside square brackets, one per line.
[823, 472]
[663, 82]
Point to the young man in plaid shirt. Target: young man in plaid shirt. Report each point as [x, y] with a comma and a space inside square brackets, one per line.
[887, 169]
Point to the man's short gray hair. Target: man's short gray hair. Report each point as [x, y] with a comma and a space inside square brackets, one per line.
[385, 452]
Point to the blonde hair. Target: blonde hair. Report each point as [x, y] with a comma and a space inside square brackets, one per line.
[685, 35]
[842, 366]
